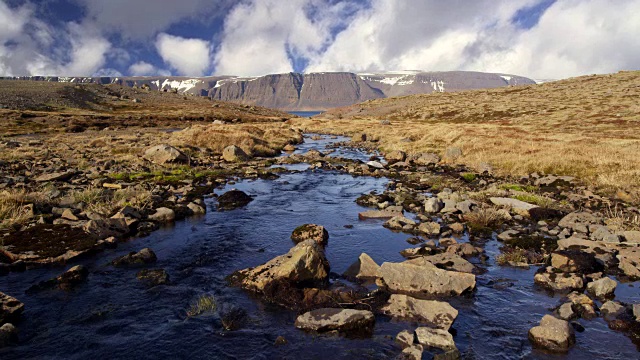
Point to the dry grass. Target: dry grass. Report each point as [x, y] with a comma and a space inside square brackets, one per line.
[618, 219]
[107, 202]
[13, 206]
[204, 304]
[587, 127]
[512, 256]
[485, 218]
[264, 140]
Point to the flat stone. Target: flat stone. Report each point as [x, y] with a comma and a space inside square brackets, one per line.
[512, 203]
[58, 176]
[562, 282]
[436, 314]
[579, 221]
[435, 338]
[450, 261]
[424, 282]
[378, 214]
[342, 320]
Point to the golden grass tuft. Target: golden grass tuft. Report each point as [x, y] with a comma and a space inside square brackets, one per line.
[13, 204]
[106, 202]
[512, 256]
[204, 304]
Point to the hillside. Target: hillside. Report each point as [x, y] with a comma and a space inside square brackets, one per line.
[587, 126]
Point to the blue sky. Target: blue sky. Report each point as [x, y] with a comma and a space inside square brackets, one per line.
[536, 38]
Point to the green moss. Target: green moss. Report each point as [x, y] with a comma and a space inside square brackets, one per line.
[518, 187]
[469, 177]
[534, 199]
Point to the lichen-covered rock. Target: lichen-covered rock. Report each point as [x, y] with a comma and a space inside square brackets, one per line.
[347, 321]
[313, 232]
[437, 314]
[552, 334]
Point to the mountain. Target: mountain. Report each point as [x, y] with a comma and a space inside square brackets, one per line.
[313, 91]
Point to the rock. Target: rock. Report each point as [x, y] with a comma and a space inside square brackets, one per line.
[433, 205]
[105, 228]
[399, 223]
[72, 277]
[457, 228]
[435, 338]
[629, 262]
[554, 181]
[280, 340]
[395, 156]
[449, 206]
[512, 203]
[196, 209]
[375, 164]
[233, 199]
[413, 352]
[10, 309]
[304, 264]
[342, 320]
[8, 335]
[446, 242]
[430, 228]
[579, 221]
[425, 159]
[572, 261]
[582, 305]
[508, 235]
[452, 153]
[67, 214]
[313, 154]
[378, 214]
[289, 148]
[450, 261]
[153, 277]
[436, 314]
[144, 256]
[562, 282]
[313, 232]
[565, 311]
[611, 310]
[631, 236]
[466, 206]
[58, 176]
[465, 250]
[163, 215]
[636, 311]
[602, 233]
[425, 282]
[165, 154]
[405, 338]
[552, 334]
[233, 153]
[603, 288]
[359, 137]
[363, 269]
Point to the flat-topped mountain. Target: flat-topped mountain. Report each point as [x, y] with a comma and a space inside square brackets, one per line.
[313, 91]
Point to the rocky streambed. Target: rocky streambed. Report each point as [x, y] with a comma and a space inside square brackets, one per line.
[443, 292]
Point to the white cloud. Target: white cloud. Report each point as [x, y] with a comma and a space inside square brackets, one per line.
[142, 68]
[189, 57]
[107, 72]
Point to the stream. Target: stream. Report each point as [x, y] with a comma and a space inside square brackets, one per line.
[114, 316]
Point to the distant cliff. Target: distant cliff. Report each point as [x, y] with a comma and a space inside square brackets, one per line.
[314, 91]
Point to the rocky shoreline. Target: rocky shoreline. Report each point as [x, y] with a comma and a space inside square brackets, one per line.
[581, 241]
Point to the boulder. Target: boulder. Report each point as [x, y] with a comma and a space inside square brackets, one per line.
[153, 277]
[144, 256]
[425, 159]
[436, 314]
[363, 269]
[72, 277]
[425, 281]
[10, 309]
[433, 205]
[579, 221]
[163, 215]
[565, 311]
[603, 288]
[435, 338]
[233, 199]
[395, 156]
[105, 228]
[313, 232]
[8, 335]
[233, 153]
[552, 334]
[611, 310]
[560, 282]
[342, 320]
[304, 264]
[196, 209]
[582, 305]
[413, 352]
[429, 228]
[575, 261]
[165, 154]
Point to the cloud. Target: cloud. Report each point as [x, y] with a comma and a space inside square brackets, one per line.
[262, 36]
[142, 68]
[141, 19]
[189, 57]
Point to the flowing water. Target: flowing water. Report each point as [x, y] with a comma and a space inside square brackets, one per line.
[114, 316]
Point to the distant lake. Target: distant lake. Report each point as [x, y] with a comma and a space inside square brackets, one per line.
[305, 113]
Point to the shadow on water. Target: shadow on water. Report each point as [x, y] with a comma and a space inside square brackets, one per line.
[113, 315]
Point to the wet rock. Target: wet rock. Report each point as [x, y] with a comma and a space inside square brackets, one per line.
[70, 278]
[629, 262]
[560, 282]
[435, 338]
[405, 338]
[233, 199]
[582, 305]
[233, 317]
[575, 261]
[436, 314]
[552, 334]
[565, 311]
[395, 156]
[196, 209]
[579, 221]
[400, 223]
[446, 242]
[57, 176]
[233, 153]
[379, 214]
[430, 228]
[10, 309]
[413, 352]
[611, 310]
[347, 321]
[153, 277]
[144, 256]
[363, 269]
[304, 264]
[313, 232]
[105, 228]
[165, 154]
[603, 288]
[280, 340]
[163, 215]
[450, 261]
[8, 335]
[425, 281]
[457, 228]
[313, 154]
[465, 250]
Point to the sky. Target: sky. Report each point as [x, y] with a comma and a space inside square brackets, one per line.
[541, 39]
